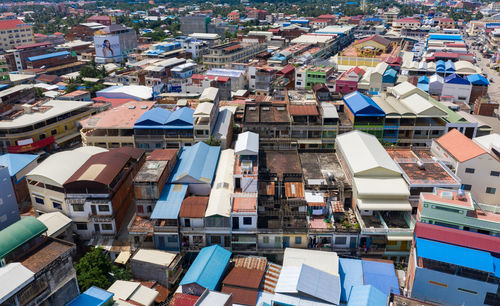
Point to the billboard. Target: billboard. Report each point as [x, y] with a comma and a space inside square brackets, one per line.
[107, 46]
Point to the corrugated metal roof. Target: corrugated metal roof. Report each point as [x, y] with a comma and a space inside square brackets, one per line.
[361, 105]
[247, 144]
[219, 203]
[381, 275]
[351, 275]
[457, 237]
[208, 267]
[93, 296]
[193, 207]
[45, 56]
[17, 234]
[366, 295]
[13, 277]
[197, 164]
[477, 79]
[170, 201]
[458, 255]
[319, 284]
[16, 162]
[304, 110]
[456, 79]
[244, 277]
[241, 296]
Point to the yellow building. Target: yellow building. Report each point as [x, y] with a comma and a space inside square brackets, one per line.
[371, 46]
[35, 126]
[15, 32]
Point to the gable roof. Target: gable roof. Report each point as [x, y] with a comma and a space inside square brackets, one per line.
[247, 144]
[366, 295]
[154, 116]
[319, 284]
[193, 207]
[170, 201]
[208, 267]
[477, 79]
[244, 277]
[361, 105]
[219, 203]
[460, 146]
[351, 275]
[456, 79]
[16, 162]
[421, 105]
[158, 117]
[376, 38]
[10, 24]
[196, 164]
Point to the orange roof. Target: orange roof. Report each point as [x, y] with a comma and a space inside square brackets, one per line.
[460, 146]
[244, 204]
[123, 116]
[294, 190]
[10, 24]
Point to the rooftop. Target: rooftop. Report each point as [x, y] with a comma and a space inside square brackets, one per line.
[280, 162]
[157, 257]
[193, 207]
[244, 204]
[16, 162]
[44, 254]
[460, 146]
[151, 171]
[208, 267]
[18, 233]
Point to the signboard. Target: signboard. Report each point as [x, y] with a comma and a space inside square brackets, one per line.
[107, 46]
[34, 146]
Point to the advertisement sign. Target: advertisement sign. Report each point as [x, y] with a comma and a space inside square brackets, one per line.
[33, 146]
[107, 46]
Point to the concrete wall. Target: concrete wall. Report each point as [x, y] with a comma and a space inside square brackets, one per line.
[9, 211]
[149, 271]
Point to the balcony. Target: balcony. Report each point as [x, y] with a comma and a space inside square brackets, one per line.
[393, 223]
[169, 226]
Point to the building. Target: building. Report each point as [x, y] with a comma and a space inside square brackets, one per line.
[457, 87]
[16, 58]
[453, 266]
[84, 31]
[194, 24]
[206, 271]
[348, 81]
[18, 166]
[379, 195]
[114, 128]
[133, 293]
[15, 32]
[35, 269]
[33, 127]
[133, 92]
[475, 162]
[104, 20]
[9, 211]
[93, 296]
[50, 60]
[224, 55]
[45, 182]
[238, 78]
[161, 266]
[261, 79]
[114, 43]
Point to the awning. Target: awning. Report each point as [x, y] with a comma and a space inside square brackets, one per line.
[400, 238]
[309, 141]
[67, 137]
[123, 257]
[381, 204]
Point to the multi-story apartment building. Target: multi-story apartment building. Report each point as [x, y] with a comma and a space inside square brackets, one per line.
[180, 76]
[159, 72]
[31, 127]
[114, 128]
[36, 269]
[84, 31]
[15, 32]
[379, 195]
[4, 71]
[260, 79]
[100, 192]
[451, 266]
[224, 55]
[114, 43]
[199, 82]
[16, 59]
[9, 211]
[194, 24]
[476, 162]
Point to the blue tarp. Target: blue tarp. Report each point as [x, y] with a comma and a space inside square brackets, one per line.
[366, 295]
[459, 256]
[170, 201]
[208, 267]
[381, 275]
[351, 274]
[362, 106]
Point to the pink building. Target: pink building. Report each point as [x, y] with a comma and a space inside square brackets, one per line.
[348, 81]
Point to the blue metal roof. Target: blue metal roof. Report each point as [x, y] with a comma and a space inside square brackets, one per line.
[208, 267]
[457, 255]
[170, 201]
[423, 86]
[16, 162]
[198, 162]
[440, 66]
[45, 56]
[160, 118]
[381, 275]
[351, 275]
[423, 80]
[319, 284]
[449, 66]
[363, 106]
[93, 296]
[477, 79]
[444, 37]
[456, 79]
[389, 76]
[366, 295]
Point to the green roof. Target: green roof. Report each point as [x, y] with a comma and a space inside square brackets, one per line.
[19, 233]
[452, 116]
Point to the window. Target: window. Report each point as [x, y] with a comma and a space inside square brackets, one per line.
[491, 299]
[103, 207]
[53, 132]
[77, 207]
[438, 284]
[470, 170]
[81, 226]
[466, 187]
[340, 240]
[107, 227]
[215, 240]
[172, 239]
[491, 190]
[265, 239]
[149, 209]
[299, 83]
[57, 205]
[467, 290]
[140, 209]
[495, 173]
[187, 222]
[247, 220]
[298, 240]
[39, 201]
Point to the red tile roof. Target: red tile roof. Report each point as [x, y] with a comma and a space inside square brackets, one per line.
[304, 110]
[42, 44]
[10, 24]
[408, 20]
[460, 146]
[210, 77]
[182, 299]
[287, 69]
[377, 38]
[458, 237]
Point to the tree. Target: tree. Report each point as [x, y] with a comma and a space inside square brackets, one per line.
[71, 87]
[39, 92]
[93, 270]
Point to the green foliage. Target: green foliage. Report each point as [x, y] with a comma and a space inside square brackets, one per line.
[121, 273]
[39, 92]
[93, 270]
[71, 87]
[212, 141]
[156, 35]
